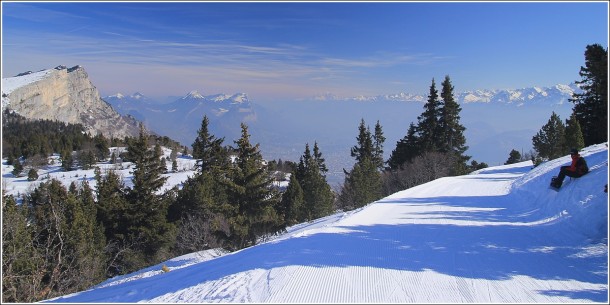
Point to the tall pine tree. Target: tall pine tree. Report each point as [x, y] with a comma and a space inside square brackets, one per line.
[428, 125]
[591, 106]
[317, 195]
[363, 183]
[292, 201]
[207, 149]
[451, 135]
[318, 157]
[378, 139]
[147, 209]
[251, 194]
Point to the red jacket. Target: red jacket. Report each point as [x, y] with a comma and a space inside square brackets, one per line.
[579, 165]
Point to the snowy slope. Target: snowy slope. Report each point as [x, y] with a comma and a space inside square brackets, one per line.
[498, 235]
[17, 186]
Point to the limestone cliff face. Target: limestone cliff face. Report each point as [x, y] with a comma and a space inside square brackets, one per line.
[67, 95]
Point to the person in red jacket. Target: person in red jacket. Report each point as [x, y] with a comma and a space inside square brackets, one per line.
[576, 169]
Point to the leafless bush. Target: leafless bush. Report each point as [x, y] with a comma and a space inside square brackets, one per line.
[422, 169]
[196, 233]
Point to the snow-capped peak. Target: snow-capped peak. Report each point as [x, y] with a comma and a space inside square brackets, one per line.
[193, 95]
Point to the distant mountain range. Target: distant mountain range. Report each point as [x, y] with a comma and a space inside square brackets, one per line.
[496, 121]
[181, 118]
[557, 94]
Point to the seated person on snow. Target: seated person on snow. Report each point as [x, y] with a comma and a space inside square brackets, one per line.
[577, 169]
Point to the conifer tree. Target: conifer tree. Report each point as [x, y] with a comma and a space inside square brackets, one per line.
[147, 210]
[318, 157]
[591, 106]
[364, 148]
[17, 167]
[251, 195]
[406, 149]
[112, 213]
[573, 134]
[21, 262]
[292, 201]
[202, 202]
[86, 239]
[363, 183]
[207, 149]
[65, 236]
[199, 210]
[451, 134]
[32, 174]
[67, 160]
[429, 122]
[101, 147]
[549, 142]
[303, 163]
[378, 140]
[513, 157]
[317, 195]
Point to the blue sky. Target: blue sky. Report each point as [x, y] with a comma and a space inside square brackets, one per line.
[292, 50]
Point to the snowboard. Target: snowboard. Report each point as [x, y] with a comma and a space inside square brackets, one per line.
[551, 186]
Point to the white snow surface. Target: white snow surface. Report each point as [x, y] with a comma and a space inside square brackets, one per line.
[499, 235]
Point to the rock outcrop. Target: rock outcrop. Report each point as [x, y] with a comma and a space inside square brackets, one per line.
[66, 95]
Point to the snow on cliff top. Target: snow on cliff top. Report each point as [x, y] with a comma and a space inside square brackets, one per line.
[9, 84]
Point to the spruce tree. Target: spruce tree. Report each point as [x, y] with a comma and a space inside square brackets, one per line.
[513, 157]
[406, 149]
[573, 134]
[317, 195]
[32, 174]
[113, 214]
[21, 261]
[17, 168]
[429, 122]
[207, 149]
[549, 141]
[363, 183]
[147, 210]
[303, 163]
[86, 239]
[364, 147]
[67, 161]
[378, 140]
[251, 195]
[292, 201]
[199, 210]
[101, 147]
[318, 157]
[451, 132]
[591, 106]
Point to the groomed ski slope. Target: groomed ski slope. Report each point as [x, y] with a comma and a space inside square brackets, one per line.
[499, 235]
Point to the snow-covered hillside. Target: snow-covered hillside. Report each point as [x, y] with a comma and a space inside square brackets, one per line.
[19, 185]
[499, 235]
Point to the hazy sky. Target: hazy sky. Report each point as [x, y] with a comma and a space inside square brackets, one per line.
[291, 50]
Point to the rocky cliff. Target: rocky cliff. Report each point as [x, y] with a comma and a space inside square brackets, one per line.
[66, 95]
